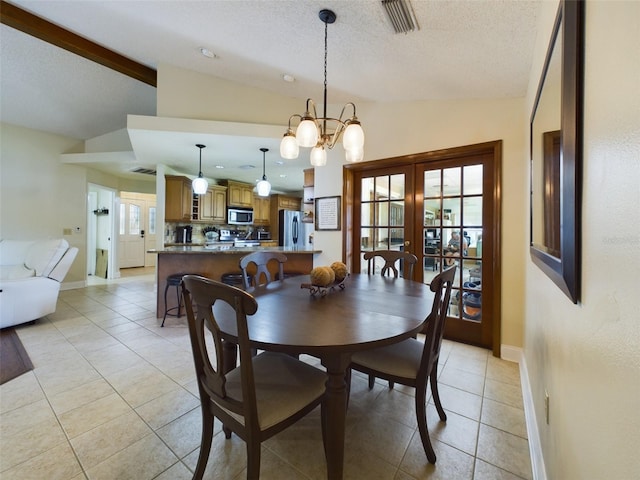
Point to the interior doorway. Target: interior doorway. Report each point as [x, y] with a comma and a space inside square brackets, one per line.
[101, 213]
[426, 204]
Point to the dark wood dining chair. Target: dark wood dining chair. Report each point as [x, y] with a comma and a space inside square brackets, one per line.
[256, 266]
[413, 363]
[391, 258]
[257, 399]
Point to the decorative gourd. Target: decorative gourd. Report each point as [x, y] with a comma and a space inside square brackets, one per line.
[340, 270]
[322, 276]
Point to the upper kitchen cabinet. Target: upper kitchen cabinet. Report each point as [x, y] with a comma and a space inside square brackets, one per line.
[238, 194]
[261, 207]
[212, 206]
[178, 199]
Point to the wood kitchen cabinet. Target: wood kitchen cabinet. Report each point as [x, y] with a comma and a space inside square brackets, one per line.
[178, 199]
[238, 194]
[308, 200]
[213, 205]
[261, 210]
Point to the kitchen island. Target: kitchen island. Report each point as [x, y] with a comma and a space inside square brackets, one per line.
[214, 262]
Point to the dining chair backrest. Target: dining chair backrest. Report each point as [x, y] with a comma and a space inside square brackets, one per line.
[262, 396]
[204, 294]
[441, 286]
[256, 266]
[391, 257]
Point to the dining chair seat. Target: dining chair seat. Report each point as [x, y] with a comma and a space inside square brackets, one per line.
[278, 396]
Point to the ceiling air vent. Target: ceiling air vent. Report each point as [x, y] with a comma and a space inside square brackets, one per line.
[401, 15]
[144, 171]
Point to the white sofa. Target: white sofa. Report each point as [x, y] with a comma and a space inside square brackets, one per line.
[31, 272]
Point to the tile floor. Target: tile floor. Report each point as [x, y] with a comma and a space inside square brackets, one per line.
[113, 396]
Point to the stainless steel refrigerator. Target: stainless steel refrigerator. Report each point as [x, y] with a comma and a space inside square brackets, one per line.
[292, 231]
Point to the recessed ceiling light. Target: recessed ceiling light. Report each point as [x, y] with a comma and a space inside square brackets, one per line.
[279, 162]
[246, 167]
[288, 78]
[219, 166]
[207, 53]
[282, 175]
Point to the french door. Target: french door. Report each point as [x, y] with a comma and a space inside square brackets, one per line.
[444, 207]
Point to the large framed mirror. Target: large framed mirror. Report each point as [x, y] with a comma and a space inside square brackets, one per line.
[556, 153]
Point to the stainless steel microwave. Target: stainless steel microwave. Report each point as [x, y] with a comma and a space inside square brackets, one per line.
[240, 216]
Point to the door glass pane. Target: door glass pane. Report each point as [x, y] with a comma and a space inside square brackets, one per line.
[397, 213]
[366, 239]
[472, 180]
[366, 214]
[382, 187]
[451, 181]
[367, 189]
[396, 236]
[152, 220]
[397, 187]
[432, 183]
[472, 211]
[134, 219]
[381, 238]
[432, 212]
[451, 211]
[472, 297]
[382, 214]
[123, 210]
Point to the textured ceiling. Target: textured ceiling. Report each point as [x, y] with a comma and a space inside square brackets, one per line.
[463, 49]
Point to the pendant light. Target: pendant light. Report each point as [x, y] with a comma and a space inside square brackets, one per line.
[322, 133]
[263, 187]
[199, 184]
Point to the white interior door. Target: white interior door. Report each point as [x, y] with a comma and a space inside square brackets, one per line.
[131, 240]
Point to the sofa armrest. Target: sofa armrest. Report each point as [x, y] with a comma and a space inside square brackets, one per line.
[60, 270]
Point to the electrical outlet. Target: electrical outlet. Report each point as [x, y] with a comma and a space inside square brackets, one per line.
[546, 406]
[67, 231]
[78, 230]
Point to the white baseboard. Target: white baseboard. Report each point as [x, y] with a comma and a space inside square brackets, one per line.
[73, 285]
[515, 354]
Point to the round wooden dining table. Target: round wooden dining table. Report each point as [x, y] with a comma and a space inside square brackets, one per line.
[369, 312]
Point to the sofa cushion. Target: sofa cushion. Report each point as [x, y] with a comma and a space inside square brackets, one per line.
[14, 272]
[44, 255]
[13, 252]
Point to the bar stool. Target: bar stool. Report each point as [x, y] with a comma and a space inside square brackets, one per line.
[173, 281]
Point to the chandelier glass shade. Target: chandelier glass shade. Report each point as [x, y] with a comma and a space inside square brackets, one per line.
[322, 133]
[199, 184]
[263, 188]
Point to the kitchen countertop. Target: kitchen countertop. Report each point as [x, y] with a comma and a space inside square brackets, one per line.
[230, 249]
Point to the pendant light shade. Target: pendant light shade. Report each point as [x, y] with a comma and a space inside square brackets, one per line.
[199, 184]
[263, 187]
[318, 156]
[289, 148]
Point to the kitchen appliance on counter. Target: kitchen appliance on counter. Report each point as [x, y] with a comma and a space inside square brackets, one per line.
[293, 232]
[263, 235]
[183, 234]
[239, 238]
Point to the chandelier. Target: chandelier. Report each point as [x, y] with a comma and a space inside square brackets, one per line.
[199, 183]
[322, 133]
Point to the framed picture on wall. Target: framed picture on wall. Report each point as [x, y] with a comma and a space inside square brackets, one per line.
[328, 213]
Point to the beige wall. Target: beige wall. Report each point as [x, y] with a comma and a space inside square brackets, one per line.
[587, 356]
